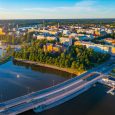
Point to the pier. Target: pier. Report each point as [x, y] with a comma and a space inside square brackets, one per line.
[110, 82]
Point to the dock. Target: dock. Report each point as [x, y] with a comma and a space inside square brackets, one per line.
[110, 82]
[111, 91]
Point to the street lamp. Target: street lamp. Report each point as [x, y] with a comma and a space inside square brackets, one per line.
[28, 90]
[53, 82]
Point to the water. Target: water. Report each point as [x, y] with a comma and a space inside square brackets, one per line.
[18, 79]
[1, 51]
[95, 101]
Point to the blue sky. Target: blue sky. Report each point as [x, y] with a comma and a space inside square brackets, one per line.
[51, 9]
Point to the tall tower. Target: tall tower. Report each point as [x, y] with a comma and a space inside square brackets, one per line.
[58, 24]
[43, 23]
[17, 26]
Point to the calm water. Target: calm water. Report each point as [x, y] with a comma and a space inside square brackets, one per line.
[93, 102]
[17, 79]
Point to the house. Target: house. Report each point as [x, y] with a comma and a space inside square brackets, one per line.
[66, 41]
[110, 41]
[52, 48]
[73, 35]
[103, 33]
[66, 32]
[84, 37]
[95, 47]
[50, 38]
[1, 32]
[109, 31]
[76, 43]
[42, 37]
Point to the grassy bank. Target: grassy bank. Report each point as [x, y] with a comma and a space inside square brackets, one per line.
[69, 70]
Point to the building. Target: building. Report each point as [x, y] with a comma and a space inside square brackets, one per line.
[82, 37]
[98, 47]
[97, 33]
[112, 50]
[49, 31]
[66, 41]
[66, 32]
[51, 38]
[109, 31]
[73, 35]
[52, 48]
[1, 32]
[110, 41]
[42, 37]
[77, 43]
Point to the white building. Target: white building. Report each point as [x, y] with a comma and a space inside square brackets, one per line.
[81, 37]
[97, 47]
[109, 31]
[42, 37]
[66, 32]
[66, 41]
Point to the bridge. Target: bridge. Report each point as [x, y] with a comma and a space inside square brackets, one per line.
[55, 95]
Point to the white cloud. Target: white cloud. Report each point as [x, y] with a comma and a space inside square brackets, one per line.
[83, 9]
[3, 9]
[83, 5]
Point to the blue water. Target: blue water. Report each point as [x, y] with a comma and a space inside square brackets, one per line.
[95, 101]
[18, 79]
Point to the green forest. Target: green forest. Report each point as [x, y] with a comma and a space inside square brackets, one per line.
[76, 57]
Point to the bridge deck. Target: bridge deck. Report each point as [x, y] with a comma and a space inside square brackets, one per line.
[50, 97]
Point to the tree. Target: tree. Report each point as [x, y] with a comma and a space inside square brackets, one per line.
[77, 57]
[73, 66]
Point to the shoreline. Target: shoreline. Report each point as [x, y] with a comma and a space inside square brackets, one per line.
[69, 70]
[4, 60]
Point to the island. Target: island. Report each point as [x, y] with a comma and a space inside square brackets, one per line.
[75, 59]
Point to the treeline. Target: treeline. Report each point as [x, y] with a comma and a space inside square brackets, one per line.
[76, 57]
[14, 40]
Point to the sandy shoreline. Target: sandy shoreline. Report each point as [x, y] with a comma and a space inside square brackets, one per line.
[72, 71]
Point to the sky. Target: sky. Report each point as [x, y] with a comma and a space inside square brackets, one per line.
[56, 9]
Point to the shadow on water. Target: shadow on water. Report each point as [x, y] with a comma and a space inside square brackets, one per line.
[44, 69]
[91, 102]
[23, 78]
